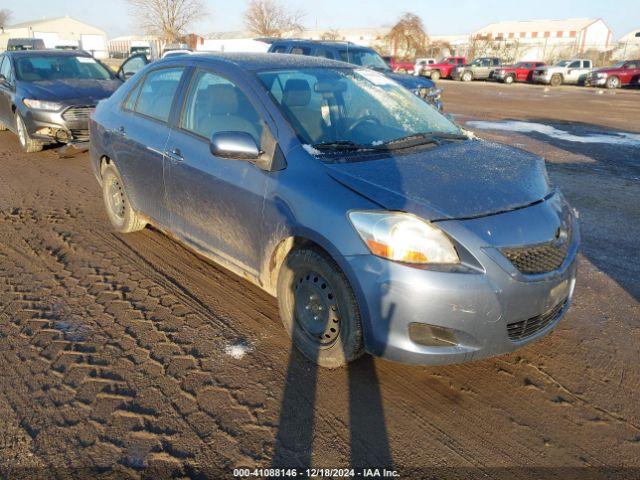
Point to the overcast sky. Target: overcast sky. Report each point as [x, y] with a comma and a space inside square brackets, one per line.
[440, 17]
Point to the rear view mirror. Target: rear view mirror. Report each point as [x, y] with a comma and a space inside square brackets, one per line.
[234, 145]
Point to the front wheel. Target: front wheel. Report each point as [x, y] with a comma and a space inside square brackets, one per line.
[508, 79]
[26, 142]
[613, 83]
[318, 308]
[556, 80]
[123, 218]
[435, 75]
[467, 77]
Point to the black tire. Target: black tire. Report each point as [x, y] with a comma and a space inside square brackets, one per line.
[556, 80]
[613, 83]
[318, 309]
[123, 218]
[435, 75]
[509, 79]
[26, 142]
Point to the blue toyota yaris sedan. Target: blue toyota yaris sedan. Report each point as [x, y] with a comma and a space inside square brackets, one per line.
[378, 224]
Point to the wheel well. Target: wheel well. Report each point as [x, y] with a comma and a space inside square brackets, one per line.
[104, 161]
[278, 256]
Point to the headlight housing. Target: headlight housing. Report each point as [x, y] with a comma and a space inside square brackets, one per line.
[601, 74]
[404, 238]
[42, 104]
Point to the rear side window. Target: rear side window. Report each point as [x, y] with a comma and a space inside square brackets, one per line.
[496, 62]
[280, 49]
[157, 93]
[300, 50]
[130, 102]
[586, 64]
[324, 53]
[215, 105]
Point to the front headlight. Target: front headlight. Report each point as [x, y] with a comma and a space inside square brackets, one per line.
[42, 104]
[402, 237]
[601, 74]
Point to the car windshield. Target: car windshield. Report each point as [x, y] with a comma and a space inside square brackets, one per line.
[563, 63]
[51, 67]
[618, 65]
[347, 109]
[363, 58]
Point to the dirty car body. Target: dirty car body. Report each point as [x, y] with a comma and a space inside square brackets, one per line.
[53, 93]
[511, 238]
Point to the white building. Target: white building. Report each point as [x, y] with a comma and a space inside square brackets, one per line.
[628, 46]
[62, 31]
[542, 39]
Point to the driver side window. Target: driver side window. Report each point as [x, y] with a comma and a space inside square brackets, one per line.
[5, 68]
[575, 64]
[215, 104]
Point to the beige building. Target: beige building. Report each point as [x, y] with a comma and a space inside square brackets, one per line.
[62, 31]
[542, 39]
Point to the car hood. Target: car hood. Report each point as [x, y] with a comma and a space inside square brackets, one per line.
[606, 70]
[460, 179]
[410, 82]
[71, 89]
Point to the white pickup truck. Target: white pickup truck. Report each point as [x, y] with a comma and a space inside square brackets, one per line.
[571, 72]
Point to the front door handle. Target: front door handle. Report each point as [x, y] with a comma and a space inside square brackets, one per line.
[174, 154]
[120, 131]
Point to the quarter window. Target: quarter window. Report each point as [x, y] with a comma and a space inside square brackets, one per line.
[215, 104]
[5, 69]
[158, 90]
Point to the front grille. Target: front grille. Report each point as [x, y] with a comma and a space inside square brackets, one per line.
[541, 257]
[80, 135]
[78, 113]
[526, 328]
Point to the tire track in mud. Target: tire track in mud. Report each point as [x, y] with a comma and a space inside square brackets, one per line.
[113, 354]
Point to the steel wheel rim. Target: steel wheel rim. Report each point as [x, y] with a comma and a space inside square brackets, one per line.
[115, 198]
[316, 309]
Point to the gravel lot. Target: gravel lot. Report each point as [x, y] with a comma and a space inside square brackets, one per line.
[129, 356]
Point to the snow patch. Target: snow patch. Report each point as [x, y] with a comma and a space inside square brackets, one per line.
[377, 143]
[237, 350]
[614, 138]
[310, 150]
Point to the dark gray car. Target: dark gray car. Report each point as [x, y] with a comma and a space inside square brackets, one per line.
[375, 221]
[47, 96]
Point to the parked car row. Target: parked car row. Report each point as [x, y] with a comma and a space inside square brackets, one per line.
[334, 187]
[577, 71]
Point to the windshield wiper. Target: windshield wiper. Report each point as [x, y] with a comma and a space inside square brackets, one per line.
[423, 139]
[342, 145]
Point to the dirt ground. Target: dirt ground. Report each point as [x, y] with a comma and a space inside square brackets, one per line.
[129, 356]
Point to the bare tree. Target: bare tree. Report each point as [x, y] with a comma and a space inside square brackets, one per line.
[5, 17]
[167, 19]
[270, 18]
[407, 38]
[331, 35]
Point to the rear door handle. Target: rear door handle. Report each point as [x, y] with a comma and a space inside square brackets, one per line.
[174, 154]
[120, 131]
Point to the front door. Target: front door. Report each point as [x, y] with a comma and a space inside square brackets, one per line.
[216, 203]
[140, 137]
[6, 91]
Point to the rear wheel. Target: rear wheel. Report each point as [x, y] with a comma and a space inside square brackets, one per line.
[123, 218]
[435, 75]
[613, 83]
[318, 309]
[556, 80]
[467, 76]
[26, 142]
[508, 79]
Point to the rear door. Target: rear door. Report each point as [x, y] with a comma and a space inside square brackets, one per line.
[140, 137]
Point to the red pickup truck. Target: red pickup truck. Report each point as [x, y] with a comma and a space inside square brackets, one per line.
[618, 75]
[520, 72]
[399, 66]
[443, 68]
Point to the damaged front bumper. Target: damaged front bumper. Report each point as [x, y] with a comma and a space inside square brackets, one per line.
[69, 125]
[429, 317]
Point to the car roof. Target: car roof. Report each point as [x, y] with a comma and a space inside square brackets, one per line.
[257, 61]
[48, 53]
[323, 43]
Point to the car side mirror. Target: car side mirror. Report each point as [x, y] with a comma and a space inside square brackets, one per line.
[234, 145]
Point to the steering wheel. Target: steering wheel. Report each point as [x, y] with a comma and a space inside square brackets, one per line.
[362, 121]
